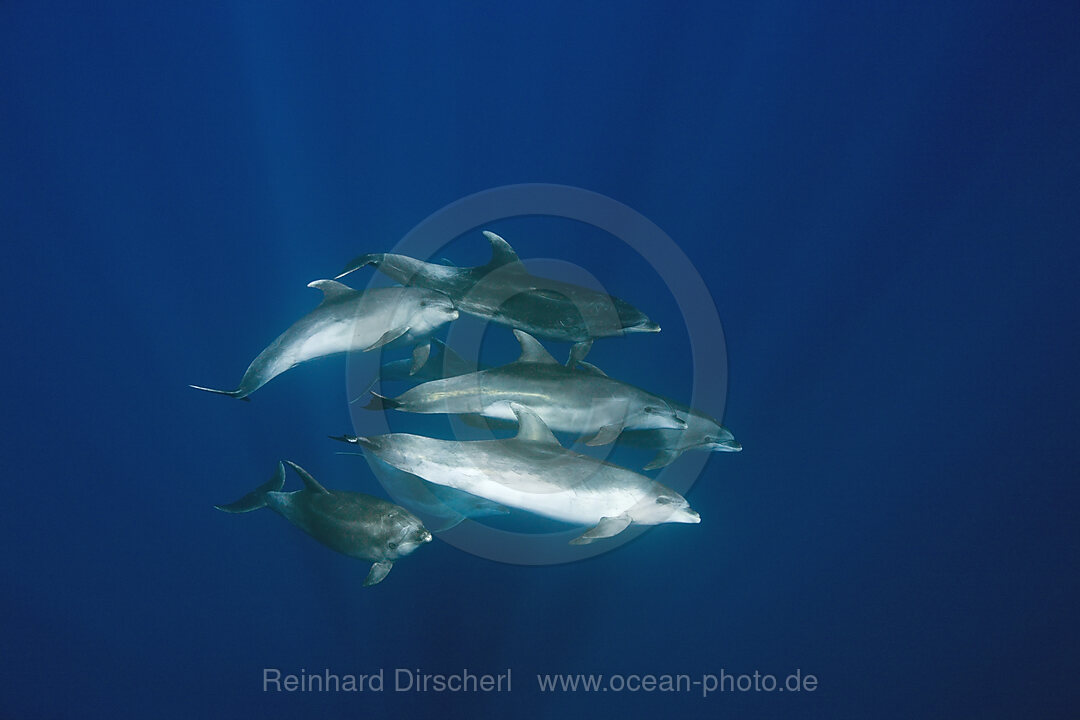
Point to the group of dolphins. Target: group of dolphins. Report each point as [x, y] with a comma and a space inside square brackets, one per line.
[531, 471]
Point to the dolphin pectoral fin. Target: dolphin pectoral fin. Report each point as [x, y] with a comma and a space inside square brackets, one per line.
[607, 527]
[257, 498]
[388, 337]
[378, 573]
[578, 353]
[420, 355]
[663, 459]
[231, 393]
[605, 435]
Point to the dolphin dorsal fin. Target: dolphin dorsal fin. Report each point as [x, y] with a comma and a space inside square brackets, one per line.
[501, 252]
[591, 369]
[531, 427]
[331, 289]
[310, 483]
[532, 351]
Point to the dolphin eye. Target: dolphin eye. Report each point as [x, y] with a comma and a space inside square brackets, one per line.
[423, 303]
[650, 409]
[393, 546]
[664, 500]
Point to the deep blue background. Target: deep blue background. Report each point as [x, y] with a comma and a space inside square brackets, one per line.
[882, 198]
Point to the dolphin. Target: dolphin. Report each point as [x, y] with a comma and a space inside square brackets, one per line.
[504, 291]
[354, 524]
[702, 432]
[533, 472]
[567, 400]
[348, 319]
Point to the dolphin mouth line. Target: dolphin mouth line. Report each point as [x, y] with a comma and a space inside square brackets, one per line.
[645, 327]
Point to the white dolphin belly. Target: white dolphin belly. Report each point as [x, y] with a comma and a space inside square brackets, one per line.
[566, 488]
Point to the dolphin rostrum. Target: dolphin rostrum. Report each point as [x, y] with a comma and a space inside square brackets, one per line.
[347, 320]
[702, 432]
[354, 524]
[567, 400]
[504, 291]
[533, 472]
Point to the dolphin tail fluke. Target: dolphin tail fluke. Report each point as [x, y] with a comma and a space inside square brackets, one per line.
[358, 262]
[238, 394]
[381, 402]
[353, 440]
[257, 498]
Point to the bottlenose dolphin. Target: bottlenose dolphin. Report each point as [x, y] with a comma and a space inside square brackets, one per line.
[533, 472]
[348, 319]
[702, 432]
[584, 403]
[354, 524]
[504, 291]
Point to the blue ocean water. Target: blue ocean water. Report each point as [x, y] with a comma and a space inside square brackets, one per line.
[881, 198]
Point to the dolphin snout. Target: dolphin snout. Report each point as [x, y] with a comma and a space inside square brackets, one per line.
[646, 326]
[730, 445]
[425, 536]
[692, 516]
